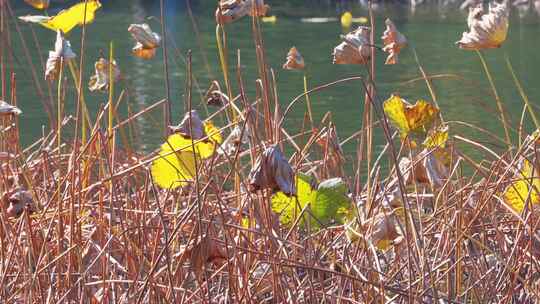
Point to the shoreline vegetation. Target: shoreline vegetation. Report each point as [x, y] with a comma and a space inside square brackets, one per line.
[246, 211]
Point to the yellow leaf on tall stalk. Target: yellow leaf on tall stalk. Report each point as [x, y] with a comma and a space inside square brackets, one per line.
[176, 165]
[436, 138]
[526, 189]
[69, 18]
[409, 118]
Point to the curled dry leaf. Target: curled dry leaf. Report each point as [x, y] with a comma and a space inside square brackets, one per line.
[272, 171]
[236, 139]
[486, 31]
[393, 41]
[191, 126]
[205, 250]
[232, 10]
[38, 4]
[355, 47]
[7, 109]
[100, 80]
[62, 51]
[214, 95]
[380, 230]
[147, 41]
[18, 201]
[295, 61]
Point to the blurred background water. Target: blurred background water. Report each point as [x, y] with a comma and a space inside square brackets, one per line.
[461, 86]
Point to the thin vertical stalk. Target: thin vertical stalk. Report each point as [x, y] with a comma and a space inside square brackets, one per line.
[522, 93]
[168, 107]
[497, 100]
[308, 102]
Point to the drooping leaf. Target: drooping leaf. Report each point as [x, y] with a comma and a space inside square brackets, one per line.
[272, 171]
[526, 189]
[62, 51]
[101, 79]
[355, 47]
[294, 60]
[409, 118]
[7, 109]
[394, 42]
[69, 18]
[147, 41]
[486, 30]
[380, 230]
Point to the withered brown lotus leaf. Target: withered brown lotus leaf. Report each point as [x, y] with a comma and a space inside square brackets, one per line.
[7, 109]
[272, 171]
[62, 51]
[355, 47]
[486, 30]
[205, 250]
[231, 10]
[147, 41]
[380, 230]
[191, 126]
[100, 80]
[214, 95]
[38, 4]
[393, 41]
[295, 61]
[18, 201]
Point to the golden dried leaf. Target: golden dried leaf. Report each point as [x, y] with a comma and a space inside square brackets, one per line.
[295, 61]
[38, 4]
[393, 41]
[355, 48]
[272, 171]
[66, 20]
[7, 109]
[486, 30]
[232, 10]
[525, 189]
[147, 41]
[100, 80]
[62, 51]
[409, 118]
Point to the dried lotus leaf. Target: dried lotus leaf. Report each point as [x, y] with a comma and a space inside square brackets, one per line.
[147, 41]
[486, 30]
[143, 34]
[393, 41]
[355, 48]
[232, 10]
[191, 126]
[143, 53]
[295, 61]
[380, 230]
[206, 250]
[38, 4]
[272, 171]
[7, 109]
[214, 95]
[62, 51]
[100, 80]
[19, 200]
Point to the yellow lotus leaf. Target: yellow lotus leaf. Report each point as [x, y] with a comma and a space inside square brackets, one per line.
[67, 19]
[526, 189]
[176, 165]
[406, 117]
[436, 138]
[38, 4]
